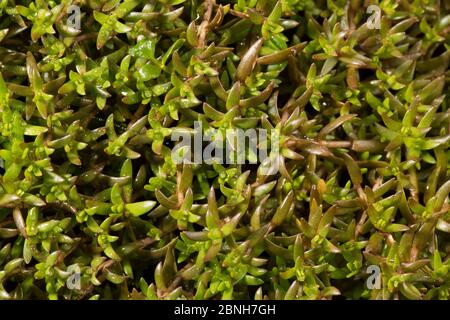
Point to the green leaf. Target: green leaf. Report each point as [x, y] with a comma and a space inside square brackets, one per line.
[116, 194]
[139, 208]
[144, 48]
[147, 72]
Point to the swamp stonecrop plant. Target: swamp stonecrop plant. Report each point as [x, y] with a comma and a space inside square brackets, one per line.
[88, 181]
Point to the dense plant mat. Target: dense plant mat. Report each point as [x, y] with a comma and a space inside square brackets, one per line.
[93, 205]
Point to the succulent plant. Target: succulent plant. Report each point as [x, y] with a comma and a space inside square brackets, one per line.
[88, 180]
